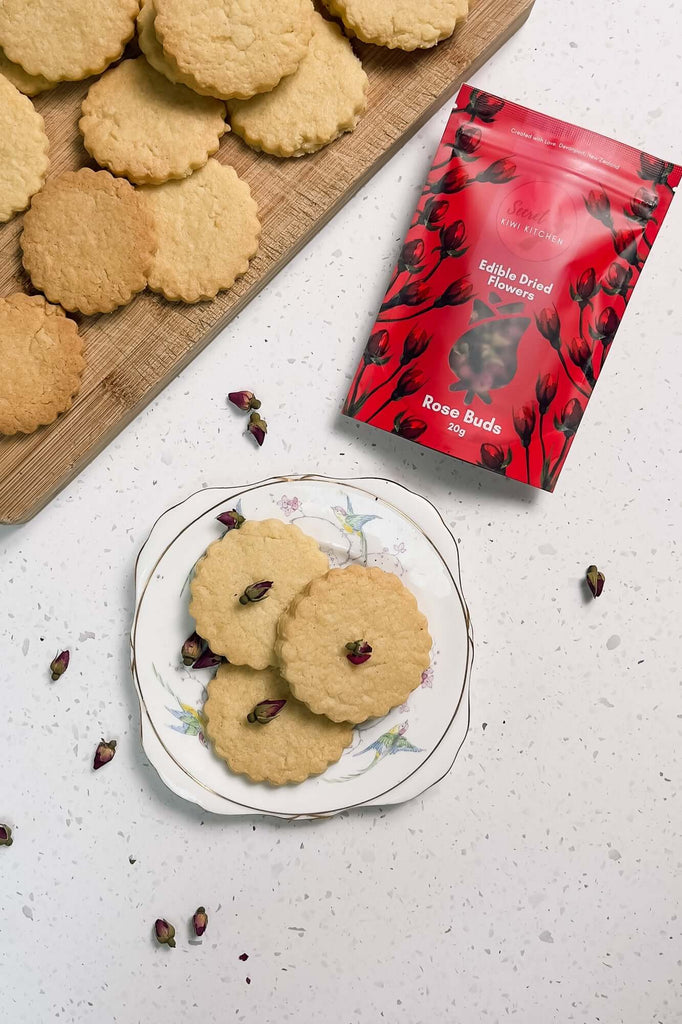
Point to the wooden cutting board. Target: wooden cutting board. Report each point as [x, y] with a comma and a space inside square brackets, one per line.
[133, 353]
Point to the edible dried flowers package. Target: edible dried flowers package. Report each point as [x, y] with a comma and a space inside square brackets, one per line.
[527, 242]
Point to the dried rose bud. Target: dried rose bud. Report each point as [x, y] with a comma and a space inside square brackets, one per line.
[191, 649]
[208, 659]
[359, 651]
[199, 921]
[244, 400]
[165, 932]
[257, 427]
[60, 664]
[231, 519]
[595, 580]
[265, 711]
[104, 753]
[256, 592]
[5, 835]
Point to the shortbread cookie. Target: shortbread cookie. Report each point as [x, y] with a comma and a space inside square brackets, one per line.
[68, 39]
[234, 47]
[265, 550]
[23, 150]
[30, 85]
[41, 355]
[343, 607]
[289, 748]
[400, 24]
[88, 241]
[143, 127]
[319, 102]
[207, 228]
[153, 50]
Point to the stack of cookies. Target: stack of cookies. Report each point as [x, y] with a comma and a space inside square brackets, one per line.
[310, 651]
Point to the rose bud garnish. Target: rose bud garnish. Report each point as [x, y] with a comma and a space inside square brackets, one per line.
[165, 932]
[104, 753]
[411, 255]
[59, 665]
[524, 423]
[377, 349]
[545, 391]
[456, 294]
[256, 592]
[549, 326]
[595, 580]
[452, 239]
[415, 345]
[208, 659]
[359, 651]
[199, 921]
[434, 213]
[652, 169]
[265, 711]
[231, 519]
[499, 172]
[484, 106]
[244, 400]
[570, 418]
[598, 206]
[5, 835]
[192, 649]
[493, 457]
[257, 427]
[409, 427]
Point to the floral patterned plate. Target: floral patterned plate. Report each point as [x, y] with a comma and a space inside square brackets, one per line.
[369, 521]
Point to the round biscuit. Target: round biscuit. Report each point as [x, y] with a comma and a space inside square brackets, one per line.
[24, 150]
[400, 24]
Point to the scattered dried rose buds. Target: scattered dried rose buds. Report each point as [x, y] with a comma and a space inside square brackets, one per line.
[5, 835]
[358, 652]
[595, 580]
[256, 592]
[192, 649]
[199, 921]
[265, 711]
[231, 519]
[244, 400]
[257, 427]
[165, 932]
[104, 753]
[59, 665]
[208, 659]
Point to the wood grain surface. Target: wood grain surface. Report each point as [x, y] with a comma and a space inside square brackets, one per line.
[134, 352]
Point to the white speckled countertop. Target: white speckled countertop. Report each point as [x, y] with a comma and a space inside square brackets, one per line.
[540, 881]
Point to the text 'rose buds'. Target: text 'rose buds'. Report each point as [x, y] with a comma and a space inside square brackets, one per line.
[59, 665]
[244, 400]
[5, 835]
[256, 592]
[595, 580]
[258, 428]
[265, 711]
[231, 519]
[104, 753]
[200, 921]
[165, 932]
[359, 651]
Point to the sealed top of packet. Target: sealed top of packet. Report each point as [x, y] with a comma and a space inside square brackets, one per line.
[528, 239]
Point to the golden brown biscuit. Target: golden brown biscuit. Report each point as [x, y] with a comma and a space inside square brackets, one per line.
[290, 748]
[23, 150]
[88, 241]
[264, 550]
[234, 48]
[143, 127]
[400, 24]
[68, 39]
[30, 85]
[322, 99]
[41, 356]
[153, 50]
[207, 229]
[345, 606]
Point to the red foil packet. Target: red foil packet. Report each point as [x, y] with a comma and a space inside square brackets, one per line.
[527, 242]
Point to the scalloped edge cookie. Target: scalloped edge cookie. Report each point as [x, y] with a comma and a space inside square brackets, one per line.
[400, 24]
[24, 148]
